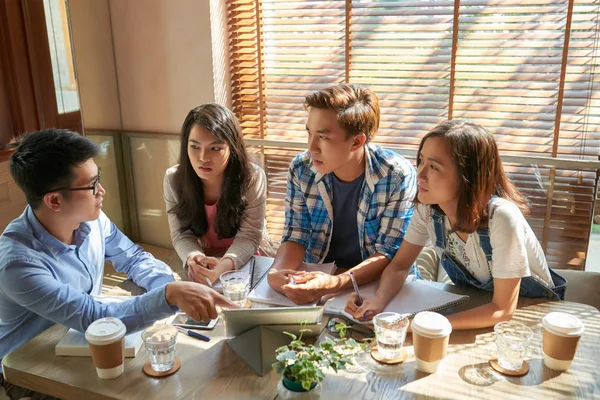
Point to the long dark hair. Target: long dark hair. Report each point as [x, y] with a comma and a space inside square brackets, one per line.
[475, 154]
[220, 122]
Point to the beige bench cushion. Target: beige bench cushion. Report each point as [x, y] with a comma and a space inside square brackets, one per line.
[582, 287]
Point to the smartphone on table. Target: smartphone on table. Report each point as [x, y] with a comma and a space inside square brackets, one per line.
[182, 320]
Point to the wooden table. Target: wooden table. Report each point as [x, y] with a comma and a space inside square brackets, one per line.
[213, 370]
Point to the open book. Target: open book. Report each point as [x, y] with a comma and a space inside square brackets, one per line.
[414, 297]
[263, 293]
[73, 343]
[257, 267]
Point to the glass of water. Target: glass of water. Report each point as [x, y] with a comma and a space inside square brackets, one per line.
[390, 332]
[160, 341]
[236, 285]
[512, 340]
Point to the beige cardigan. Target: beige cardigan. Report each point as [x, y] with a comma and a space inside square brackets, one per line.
[251, 236]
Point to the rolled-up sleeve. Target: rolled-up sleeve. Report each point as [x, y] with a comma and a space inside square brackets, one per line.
[397, 213]
[297, 218]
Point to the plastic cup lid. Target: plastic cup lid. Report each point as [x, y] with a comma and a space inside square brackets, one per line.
[563, 324]
[105, 331]
[429, 323]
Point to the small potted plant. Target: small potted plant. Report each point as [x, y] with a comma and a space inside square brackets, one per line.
[302, 365]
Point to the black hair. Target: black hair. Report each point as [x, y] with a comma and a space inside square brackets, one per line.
[44, 161]
[221, 123]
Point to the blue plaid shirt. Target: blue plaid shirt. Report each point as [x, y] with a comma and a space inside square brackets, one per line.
[384, 209]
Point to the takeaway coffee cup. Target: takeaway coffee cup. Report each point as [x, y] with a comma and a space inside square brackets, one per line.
[560, 336]
[106, 339]
[431, 332]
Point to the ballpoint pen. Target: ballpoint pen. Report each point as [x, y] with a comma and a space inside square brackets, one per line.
[358, 298]
[359, 301]
[194, 334]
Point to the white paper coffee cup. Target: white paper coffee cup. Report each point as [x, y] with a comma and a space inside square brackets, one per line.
[106, 340]
[560, 336]
[431, 333]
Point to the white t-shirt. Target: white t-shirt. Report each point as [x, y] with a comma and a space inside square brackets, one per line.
[516, 252]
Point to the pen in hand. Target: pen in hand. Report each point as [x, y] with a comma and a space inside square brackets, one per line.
[194, 334]
[358, 298]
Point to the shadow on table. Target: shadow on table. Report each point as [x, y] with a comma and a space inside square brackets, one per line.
[538, 374]
[479, 374]
[217, 361]
[483, 375]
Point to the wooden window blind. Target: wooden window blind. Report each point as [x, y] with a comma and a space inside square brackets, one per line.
[526, 70]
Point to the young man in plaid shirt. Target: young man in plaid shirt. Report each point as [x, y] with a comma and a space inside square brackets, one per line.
[348, 201]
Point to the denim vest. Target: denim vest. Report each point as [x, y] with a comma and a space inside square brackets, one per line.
[459, 274]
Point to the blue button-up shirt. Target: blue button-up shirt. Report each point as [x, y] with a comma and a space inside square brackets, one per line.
[45, 281]
[384, 209]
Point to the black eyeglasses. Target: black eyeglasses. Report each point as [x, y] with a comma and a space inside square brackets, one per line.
[93, 188]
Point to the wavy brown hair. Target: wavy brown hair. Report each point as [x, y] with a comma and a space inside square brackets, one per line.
[357, 108]
[480, 171]
[220, 122]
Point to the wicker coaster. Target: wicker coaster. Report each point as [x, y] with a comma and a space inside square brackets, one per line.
[155, 374]
[520, 372]
[398, 360]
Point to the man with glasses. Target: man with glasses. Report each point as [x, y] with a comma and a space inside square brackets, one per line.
[52, 256]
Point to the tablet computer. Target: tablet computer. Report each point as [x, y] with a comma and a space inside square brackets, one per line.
[240, 320]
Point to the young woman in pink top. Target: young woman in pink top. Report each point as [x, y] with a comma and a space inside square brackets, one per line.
[215, 196]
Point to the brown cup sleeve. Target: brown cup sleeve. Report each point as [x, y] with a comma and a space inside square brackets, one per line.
[559, 347]
[108, 356]
[428, 349]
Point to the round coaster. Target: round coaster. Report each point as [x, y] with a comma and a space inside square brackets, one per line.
[155, 374]
[398, 360]
[520, 372]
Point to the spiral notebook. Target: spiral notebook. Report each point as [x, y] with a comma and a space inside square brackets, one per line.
[414, 297]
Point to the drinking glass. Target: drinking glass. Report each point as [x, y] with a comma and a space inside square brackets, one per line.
[160, 341]
[236, 285]
[390, 332]
[512, 340]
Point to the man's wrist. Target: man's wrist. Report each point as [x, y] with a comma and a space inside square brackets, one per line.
[337, 283]
[170, 288]
[343, 281]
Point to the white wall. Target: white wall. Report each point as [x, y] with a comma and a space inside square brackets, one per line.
[164, 61]
[95, 65]
[142, 65]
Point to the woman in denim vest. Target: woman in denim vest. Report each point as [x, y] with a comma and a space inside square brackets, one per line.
[467, 207]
